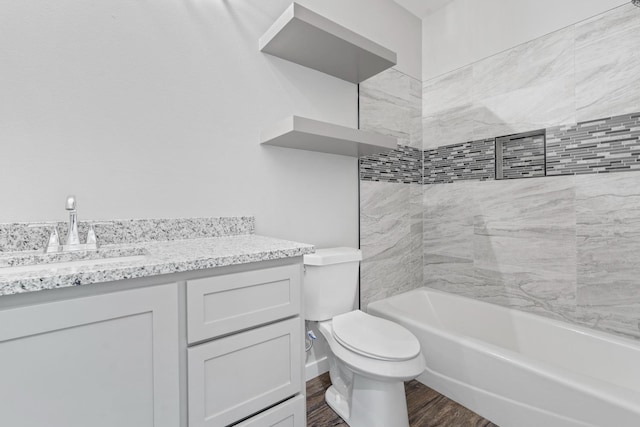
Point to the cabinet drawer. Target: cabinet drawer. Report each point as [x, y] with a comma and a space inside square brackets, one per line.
[239, 375]
[292, 413]
[224, 304]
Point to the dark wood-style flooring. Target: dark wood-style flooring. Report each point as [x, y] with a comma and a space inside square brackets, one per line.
[427, 408]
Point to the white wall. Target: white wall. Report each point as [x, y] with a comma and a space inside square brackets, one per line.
[154, 109]
[465, 31]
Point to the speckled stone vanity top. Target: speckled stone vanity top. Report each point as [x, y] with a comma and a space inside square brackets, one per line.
[143, 259]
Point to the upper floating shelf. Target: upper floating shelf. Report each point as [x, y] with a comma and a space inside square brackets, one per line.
[312, 135]
[306, 38]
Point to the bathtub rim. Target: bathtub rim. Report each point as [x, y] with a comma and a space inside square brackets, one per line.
[582, 330]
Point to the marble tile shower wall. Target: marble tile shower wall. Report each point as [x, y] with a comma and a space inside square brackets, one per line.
[390, 104]
[390, 188]
[390, 239]
[526, 88]
[565, 247]
[584, 72]
[561, 246]
[506, 242]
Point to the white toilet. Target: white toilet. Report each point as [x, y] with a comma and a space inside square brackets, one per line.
[370, 357]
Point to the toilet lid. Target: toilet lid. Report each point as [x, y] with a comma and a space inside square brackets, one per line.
[374, 337]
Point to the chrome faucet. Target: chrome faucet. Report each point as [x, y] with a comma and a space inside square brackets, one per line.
[72, 237]
[73, 240]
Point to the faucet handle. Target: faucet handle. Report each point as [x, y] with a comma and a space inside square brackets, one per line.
[91, 236]
[91, 233]
[54, 239]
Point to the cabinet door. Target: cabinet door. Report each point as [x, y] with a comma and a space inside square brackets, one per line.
[101, 361]
[239, 375]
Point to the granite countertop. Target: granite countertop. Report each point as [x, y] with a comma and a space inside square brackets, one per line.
[149, 258]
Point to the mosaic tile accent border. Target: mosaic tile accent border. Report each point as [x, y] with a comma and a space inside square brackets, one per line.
[597, 146]
[605, 145]
[468, 160]
[19, 237]
[402, 165]
[521, 156]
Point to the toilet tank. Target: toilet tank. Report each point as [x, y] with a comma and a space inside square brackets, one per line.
[330, 282]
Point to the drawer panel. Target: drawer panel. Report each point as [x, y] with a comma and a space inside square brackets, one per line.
[233, 377]
[224, 304]
[292, 413]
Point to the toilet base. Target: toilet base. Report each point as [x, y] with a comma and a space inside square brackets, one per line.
[373, 403]
[336, 402]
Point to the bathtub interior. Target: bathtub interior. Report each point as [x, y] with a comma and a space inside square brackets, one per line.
[609, 359]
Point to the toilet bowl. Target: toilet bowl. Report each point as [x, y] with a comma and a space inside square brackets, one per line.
[367, 382]
[370, 358]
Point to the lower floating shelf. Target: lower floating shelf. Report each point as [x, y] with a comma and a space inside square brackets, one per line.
[313, 135]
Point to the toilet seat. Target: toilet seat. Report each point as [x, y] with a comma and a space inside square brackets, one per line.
[374, 337]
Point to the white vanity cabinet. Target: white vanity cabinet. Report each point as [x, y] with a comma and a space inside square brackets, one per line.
[212, 348]
[101, 361]
[253, 359]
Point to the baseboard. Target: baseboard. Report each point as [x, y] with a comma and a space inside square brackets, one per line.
[316, 368]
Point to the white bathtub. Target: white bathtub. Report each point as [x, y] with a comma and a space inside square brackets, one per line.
[518, 369]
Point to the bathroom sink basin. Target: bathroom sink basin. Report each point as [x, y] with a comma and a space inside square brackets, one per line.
[27, 262]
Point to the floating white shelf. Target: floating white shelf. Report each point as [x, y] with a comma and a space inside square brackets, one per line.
[312, 135]
[306, 38]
